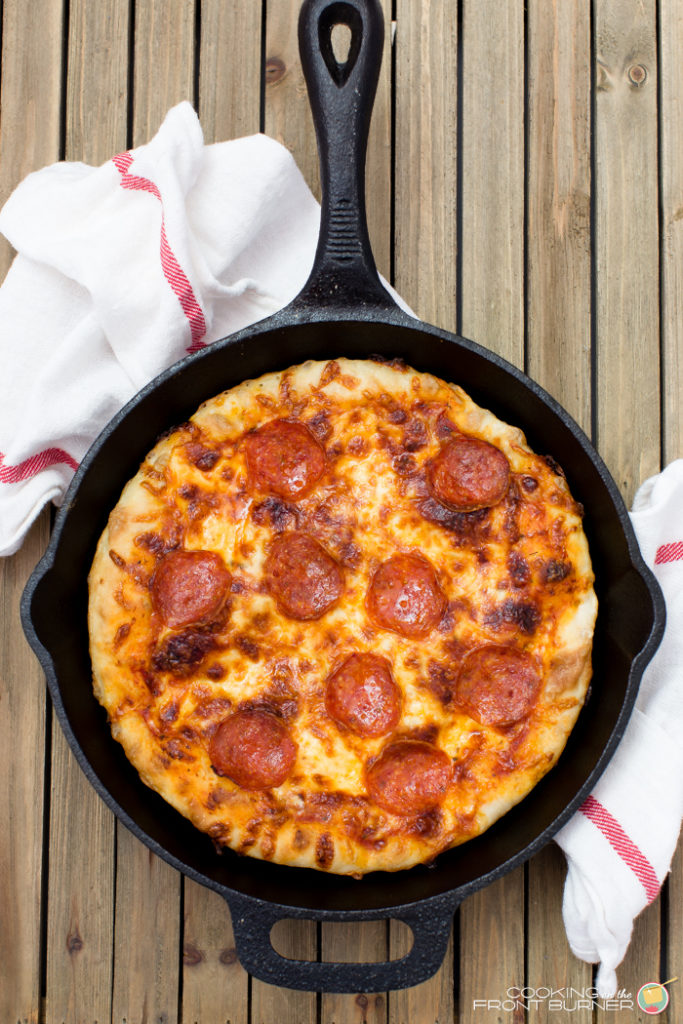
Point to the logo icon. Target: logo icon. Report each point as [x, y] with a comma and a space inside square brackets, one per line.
[654, 998]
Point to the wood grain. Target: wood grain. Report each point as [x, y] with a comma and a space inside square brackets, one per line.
[671, 119]
[146, 935]
[22, 715]
[97, 93]
[363, 942]
[80, 919]
[550, 962]
[558, 355]
[492, 921]
[671, 178]
[164, 58]
[627, 240]
[431, 1002]
[425, 198]
[215, 985]
[493, 176]
[229, 99]
[492, 946]
[81, 916]
[559, 203]
[30, 86]
[299, 941]
[425, 176]
[31, 80]
[147, 923]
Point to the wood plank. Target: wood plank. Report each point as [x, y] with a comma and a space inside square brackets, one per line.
[492, 47]
[671, 115]
[22, 715]
[493, 176]
[491, 946]
[558, 356]
[80, 922]
[215, 985]
[550, 962]
[31, 94]
[229, 101]
[164, 62]
[98, 79]
[30, 86]
[147, 935]
[366, 941]
[426, 159]
[627, 240]
[147, 973]
[558, 191]
[425, 175]
[81, 909]
[297, 940]
[671, 177]
[432, 1001]
[363, 942]
[674, 935]
[96, 39]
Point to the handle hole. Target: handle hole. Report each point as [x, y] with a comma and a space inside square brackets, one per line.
[341, 42]
[342, 941]
[340, 33]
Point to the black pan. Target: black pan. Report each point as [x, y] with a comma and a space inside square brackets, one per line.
[342, 310]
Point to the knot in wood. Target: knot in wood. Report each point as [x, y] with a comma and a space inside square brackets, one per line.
[191, 955]
[637, 74]
[228, 956]
[74, 942]
[275, 70]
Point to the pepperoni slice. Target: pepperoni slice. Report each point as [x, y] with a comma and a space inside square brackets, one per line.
[254, 749]
[405, 596]
[409, 777]
[189, 587]
[284, 458]
[302, 576]
[468, 474]
[497, 685]
[362, 695]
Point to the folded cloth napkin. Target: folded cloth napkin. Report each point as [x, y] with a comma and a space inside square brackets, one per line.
[123, 269]
[620, 844]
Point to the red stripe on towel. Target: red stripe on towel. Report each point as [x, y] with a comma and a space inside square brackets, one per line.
[173, 272]
[34, 464]
[669, 552]
[623, 845]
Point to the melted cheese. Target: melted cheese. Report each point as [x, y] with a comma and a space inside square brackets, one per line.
[518, 574]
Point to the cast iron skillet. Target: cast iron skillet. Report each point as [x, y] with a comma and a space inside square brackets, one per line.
[342, 310]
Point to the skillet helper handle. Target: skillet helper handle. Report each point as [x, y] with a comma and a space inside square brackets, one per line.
[430, 922]
[344, 274]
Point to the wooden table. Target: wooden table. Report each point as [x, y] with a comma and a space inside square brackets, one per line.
[526, 189]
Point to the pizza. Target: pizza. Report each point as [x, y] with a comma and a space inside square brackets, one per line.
[342, 618]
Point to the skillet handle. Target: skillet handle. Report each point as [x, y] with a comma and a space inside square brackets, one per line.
[344, 275]
[430, 921]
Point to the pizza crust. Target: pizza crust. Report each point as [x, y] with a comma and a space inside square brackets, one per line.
[379, 424]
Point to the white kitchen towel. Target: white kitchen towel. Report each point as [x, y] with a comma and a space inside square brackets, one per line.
[620, 844]
[123, 269]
